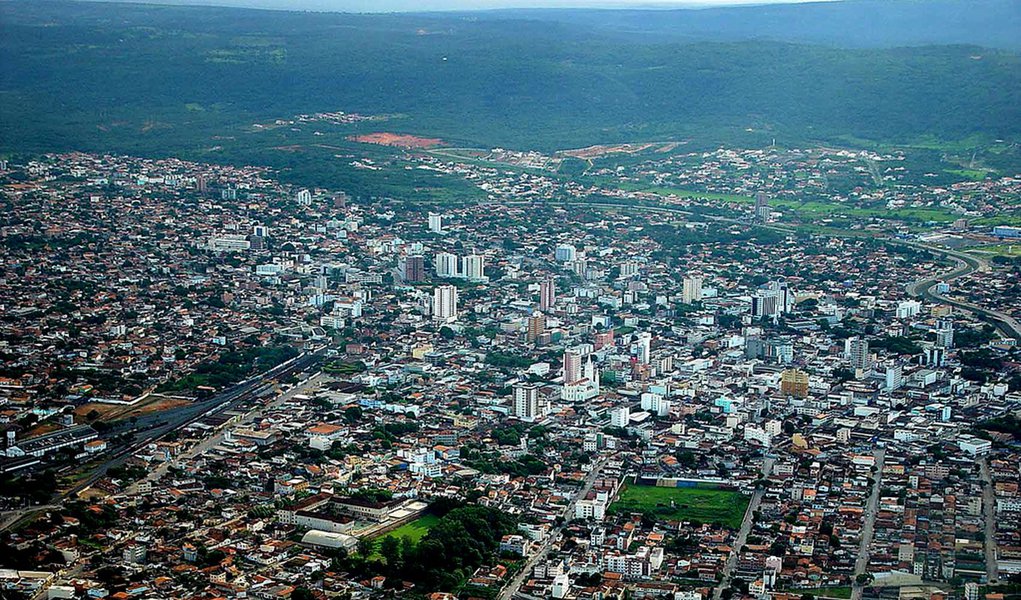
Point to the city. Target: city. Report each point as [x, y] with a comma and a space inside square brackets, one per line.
[647, 399]
[510, 300]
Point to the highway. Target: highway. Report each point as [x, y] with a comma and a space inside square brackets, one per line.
[861, 563]
[177, 419]
[742, 534]
[514, 585]
[964, 264]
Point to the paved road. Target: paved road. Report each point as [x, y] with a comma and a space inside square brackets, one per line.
[964, 264]
[514, 585]
[868, 527]
[742, 534]
[989, 518]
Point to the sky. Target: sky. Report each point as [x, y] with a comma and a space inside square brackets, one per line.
[428, 5]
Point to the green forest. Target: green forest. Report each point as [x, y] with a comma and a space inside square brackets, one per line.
[191, 81]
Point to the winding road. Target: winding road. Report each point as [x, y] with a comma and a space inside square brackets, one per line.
[965, 264]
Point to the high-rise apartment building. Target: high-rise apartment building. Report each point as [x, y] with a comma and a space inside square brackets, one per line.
[547, 295]
[445, 303]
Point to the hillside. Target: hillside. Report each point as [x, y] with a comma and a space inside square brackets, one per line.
[159, 79]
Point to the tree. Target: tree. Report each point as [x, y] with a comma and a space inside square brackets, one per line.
[365, 547]
[390, 549]
[302, 593]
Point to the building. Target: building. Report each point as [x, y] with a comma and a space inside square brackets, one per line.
[620, 417]
[590, 509]
[528, 404]
[856, 350]
[765, 304]
[514, 544]
[536, 327]
[445, 303]
[794, 382]
[303, 198]
[435, 223]
[446, 265]
[761, 207]
[565, 253]
[229, 243]
[1007, 231]
[945, 333]
[908, 309]
[547, 295]
[643, 347]
[572, 366]
[692, 290]
[474, 268]
[412, 268]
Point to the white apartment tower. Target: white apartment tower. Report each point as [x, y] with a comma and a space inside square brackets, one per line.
[446, 264]
[445, 303]
[435, 223]
[474, 267]
[692, 291]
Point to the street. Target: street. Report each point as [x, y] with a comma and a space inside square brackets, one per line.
[871, 510]
[514, 584]
[989, 519]
[742, 534]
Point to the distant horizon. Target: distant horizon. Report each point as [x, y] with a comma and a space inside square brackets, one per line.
[411, 6]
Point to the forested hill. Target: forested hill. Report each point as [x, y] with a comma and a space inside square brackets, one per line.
[847, 23]
[125, 77]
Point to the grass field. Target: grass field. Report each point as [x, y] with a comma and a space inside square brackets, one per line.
[415, 529]
[1010, 250]
[722, 507]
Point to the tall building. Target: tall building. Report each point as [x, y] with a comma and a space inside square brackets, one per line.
[761, 207]
[894, 377]
[794, 382]
[547, 295]
[644, 348]
[565, 253]
[445, 303]
[785, 298]
[413, 268]
[856, 350]
[435, 223]
[692, 291]
[446, 264]
[474, 267]
[945, 333]
[536, 327]
[572, 366]
[765, 303]
[303, 197]
[527, 402]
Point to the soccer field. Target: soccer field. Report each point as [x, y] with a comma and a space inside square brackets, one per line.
[723, 507]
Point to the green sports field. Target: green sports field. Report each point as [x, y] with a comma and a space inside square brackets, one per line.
[723, 507]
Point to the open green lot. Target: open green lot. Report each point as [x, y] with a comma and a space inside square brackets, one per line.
[1010, 250]
[722, 507]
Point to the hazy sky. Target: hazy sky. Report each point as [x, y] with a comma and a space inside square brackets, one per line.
[413, 5]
